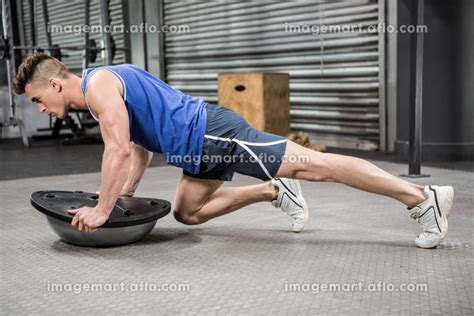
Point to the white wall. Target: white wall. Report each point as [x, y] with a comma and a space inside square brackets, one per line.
[27, 111]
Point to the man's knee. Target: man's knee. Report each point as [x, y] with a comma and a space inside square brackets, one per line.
[185, 218]
[321, 167]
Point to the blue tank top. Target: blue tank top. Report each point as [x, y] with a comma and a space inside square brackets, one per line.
[162, 118]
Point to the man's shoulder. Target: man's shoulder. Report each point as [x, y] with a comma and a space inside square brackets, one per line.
[100, 78]
[102, 82]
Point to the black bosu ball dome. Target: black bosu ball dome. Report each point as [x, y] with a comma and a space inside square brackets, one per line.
[131, 219]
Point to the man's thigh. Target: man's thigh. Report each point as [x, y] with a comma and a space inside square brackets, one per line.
[192, 193]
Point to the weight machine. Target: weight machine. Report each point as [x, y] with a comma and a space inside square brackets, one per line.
[10, 53]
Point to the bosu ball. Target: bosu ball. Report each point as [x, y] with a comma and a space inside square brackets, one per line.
[131, 219]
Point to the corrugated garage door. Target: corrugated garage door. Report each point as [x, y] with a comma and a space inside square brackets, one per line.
[72, 13]
[335, 88]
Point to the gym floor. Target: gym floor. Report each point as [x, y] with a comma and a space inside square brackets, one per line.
[357, 255]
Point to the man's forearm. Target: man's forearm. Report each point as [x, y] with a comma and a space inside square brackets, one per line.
[115, 169]
[139, 162]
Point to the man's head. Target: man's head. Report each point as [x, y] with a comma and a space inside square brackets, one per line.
[42, 78]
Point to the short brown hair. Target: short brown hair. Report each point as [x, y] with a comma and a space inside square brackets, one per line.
[36, 69]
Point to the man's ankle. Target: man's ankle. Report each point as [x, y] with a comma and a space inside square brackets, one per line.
[272, 193]
[417, 199]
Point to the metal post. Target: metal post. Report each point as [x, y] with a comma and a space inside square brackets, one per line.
[85, 56]
[144, 34]
[46, 22]
[391, 76]
[106, 36]
[381, 63]
[9, 40]
[126, 20]
[416, 92]
[7, 35]
[32, 8]
[161, 40]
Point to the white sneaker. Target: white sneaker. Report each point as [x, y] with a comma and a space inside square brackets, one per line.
[291, 201]
[433, 215]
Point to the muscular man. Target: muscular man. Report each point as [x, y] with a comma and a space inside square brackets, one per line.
[139, 114]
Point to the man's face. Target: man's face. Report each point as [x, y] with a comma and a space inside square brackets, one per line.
[49, 99]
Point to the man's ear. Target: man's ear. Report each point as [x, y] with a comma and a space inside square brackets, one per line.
[55, 84]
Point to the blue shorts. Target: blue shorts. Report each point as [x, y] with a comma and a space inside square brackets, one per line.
[232, 145]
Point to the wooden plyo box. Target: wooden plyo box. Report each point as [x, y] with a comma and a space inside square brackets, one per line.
[263, 99]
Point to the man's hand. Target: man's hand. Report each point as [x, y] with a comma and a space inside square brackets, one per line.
[88, 218]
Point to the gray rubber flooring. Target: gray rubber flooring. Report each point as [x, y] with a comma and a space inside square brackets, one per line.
[357, 256]
[47, 157]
